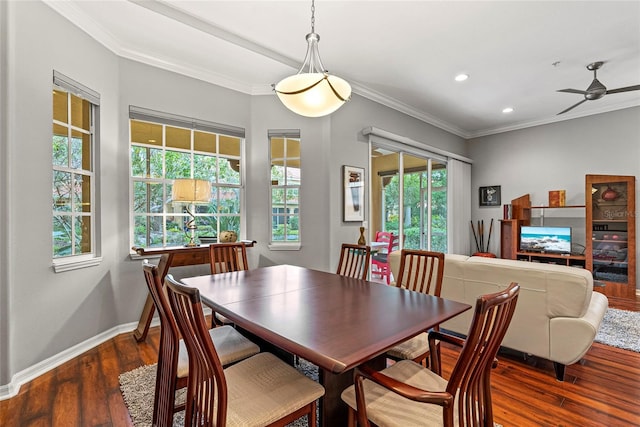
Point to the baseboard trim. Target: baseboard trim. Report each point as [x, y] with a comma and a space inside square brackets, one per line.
[7, 391]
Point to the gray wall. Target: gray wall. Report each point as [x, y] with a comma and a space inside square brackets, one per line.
[44, 314]
[555, 157]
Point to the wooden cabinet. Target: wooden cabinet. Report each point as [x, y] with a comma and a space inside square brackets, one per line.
[611, 232]
[510, 228]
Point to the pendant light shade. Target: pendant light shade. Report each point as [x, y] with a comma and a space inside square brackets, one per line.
[313, 92]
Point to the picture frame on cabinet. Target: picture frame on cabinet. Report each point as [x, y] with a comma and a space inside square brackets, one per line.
[353, 194]
[489, 196]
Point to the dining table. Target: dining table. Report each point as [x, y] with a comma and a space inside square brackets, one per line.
[334, 322]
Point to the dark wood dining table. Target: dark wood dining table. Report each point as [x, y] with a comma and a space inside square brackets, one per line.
[334, 322]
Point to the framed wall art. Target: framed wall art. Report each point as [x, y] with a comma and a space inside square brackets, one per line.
[490, 196]
[353, 193]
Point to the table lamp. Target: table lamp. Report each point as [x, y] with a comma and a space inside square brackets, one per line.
[191, 192]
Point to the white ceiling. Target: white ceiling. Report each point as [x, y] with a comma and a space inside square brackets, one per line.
[404, 54]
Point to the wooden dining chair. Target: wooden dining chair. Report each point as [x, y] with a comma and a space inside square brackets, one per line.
[420, 271]
[259, 391]
[406, 393]
[354, 261]
[173, 364]
[226, 257]
[380, 260]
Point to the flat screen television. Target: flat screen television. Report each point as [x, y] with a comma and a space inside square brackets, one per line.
[556, 240]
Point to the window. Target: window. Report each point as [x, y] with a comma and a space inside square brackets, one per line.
[285, 188]
[75, 120]
[165, 147]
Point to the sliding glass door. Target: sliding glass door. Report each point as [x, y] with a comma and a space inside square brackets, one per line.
[409, 198]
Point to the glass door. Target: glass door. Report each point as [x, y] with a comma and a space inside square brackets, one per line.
[409, 198]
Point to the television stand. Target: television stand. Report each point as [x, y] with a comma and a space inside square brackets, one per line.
[551, 258]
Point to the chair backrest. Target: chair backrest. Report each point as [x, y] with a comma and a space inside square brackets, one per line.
[388, 237]
[354, 261]
[421, 271]
[226, 257]
[206, 399]
[471, 374]
[168, 349]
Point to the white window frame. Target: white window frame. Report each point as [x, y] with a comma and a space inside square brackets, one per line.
[74, 261]
[278, 245]
[191, 124]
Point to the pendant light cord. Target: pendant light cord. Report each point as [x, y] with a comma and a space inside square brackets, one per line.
[313, 16]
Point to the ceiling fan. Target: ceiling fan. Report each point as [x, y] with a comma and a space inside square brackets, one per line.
[596, 90]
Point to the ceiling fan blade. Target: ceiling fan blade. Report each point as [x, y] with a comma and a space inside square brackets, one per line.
[624, 89]
[572, 107]
[581, 92]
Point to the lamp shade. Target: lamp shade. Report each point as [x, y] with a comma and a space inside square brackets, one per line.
[313, 94]
[190, 190]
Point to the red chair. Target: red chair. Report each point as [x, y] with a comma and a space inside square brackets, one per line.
[380, 259]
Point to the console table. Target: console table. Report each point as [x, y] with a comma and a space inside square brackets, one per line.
[175, 256]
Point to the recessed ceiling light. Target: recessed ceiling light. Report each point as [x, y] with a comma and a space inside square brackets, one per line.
[152, 140]
[462, 77]
[507, 110]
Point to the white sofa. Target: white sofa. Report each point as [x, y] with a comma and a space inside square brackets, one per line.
[558, 313]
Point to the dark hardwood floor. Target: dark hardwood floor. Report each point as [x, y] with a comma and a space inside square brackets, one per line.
[602, 390]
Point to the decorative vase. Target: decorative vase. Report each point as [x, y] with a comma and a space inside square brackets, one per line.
[609, 195]
[228, 236]
[362, 241]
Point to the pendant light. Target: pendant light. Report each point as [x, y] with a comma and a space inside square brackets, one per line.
[313, 92]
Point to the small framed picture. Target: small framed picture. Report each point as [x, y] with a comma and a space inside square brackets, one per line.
[490, 196]
[353, 193]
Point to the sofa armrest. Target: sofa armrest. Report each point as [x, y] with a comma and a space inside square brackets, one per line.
[571, 337]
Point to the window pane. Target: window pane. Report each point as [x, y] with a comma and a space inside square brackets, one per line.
[277, 150]
[83, 234]
[60, 106]
[293, 174]
[229, 145]
[147, 197]
[178, 165]
[277, 175]
[229, 200]
[206, 226]
[138, 161]
[229, 171]
[80, 113]
[60, 146]
[61, 235]
[61, 191]
[204, 141]
[277, 197]
[292, 197]
[178, 138]
[293, 228]
[146, 133]
[293, 148]
[204, 167]
[147, 231]
[82, 193]
[80, 150]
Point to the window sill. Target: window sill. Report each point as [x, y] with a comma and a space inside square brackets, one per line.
[285, 246]
[60, 266]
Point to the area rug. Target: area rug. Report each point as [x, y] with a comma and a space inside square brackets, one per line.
[620, 328]
[138, 387]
